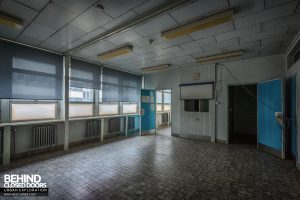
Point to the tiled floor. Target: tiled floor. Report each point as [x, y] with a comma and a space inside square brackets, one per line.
[164, 131]
[159, 167]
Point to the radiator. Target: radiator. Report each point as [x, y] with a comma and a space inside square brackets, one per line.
[165, 119]
[114, 125]
[131, 123]
[93, 129]
[44, 136]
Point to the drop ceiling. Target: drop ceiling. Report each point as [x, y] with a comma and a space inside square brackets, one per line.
[260, 27]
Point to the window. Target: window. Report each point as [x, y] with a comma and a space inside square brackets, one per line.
[81, 109]
[108, 108]
[167, 107]
[33, 111]
[129, 108]
[158, 107]
[81, 94]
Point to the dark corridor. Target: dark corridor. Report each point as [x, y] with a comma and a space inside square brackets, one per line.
[243, 114]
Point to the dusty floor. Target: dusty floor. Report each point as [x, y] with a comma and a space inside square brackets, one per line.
[159, 167]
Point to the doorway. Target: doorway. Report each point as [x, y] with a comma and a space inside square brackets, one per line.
[163, 112]
[243, 114]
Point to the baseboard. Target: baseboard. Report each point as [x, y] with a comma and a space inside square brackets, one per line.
[195, 137]
[175, 134]
[221, 141]
[270, 150]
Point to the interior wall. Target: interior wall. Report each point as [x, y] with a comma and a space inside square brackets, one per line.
[201, 124]
[294, 71]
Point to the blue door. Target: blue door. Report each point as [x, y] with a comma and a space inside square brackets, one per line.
[270, 95]
[293, 116]
[148, 110]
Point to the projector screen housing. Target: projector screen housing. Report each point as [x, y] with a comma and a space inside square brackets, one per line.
[197, 91]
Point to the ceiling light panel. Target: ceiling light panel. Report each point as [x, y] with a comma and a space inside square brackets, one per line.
[115, 53]
[198, 8]
[214, 58]
[157, 68]
[201, 24]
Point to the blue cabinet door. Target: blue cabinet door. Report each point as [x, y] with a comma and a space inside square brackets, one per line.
[148, 110]
[270, 96]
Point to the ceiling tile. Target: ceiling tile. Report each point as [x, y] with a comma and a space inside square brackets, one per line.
[166, 51]
[101, 47]
[84, 53]
[173, 42]
[125, 37]
[20, 11]
[198, 9]
[261, 36]
[148, 41]
[93, 34]
[146, 6]
[239, 32]
[219, 45]
[123, 18]
[34, 28]
[35, 4]
[282, 22]
[53, 44]
[266, 15]
[222, 28]
[8, 32]
[144, 50]
[275, 3]
[28, 40]
[156, 25]
[276, 39]
[189, 51]
[55, 16]
[76, 6]
[198, 43]
[244, 46]
[246, 7]
[115, 8]
[91, 19]
[68, 34]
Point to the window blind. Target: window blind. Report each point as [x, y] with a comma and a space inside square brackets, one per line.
[28, 73]
[120, 86]
[85, 75]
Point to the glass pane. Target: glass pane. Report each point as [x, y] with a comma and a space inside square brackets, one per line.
[81, 95]
[31, 111]
[80, 110]
[158, 96]
[108, 109]
[167, 97]
[158, 107]
[130, 108]
[167, 107]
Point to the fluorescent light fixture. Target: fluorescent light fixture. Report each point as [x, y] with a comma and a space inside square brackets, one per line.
[201, 24]
[157, 68]
[213, 58]
[10, 21]
[115, 53]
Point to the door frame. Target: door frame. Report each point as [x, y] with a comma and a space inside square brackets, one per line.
[263, 147]
[296, 107]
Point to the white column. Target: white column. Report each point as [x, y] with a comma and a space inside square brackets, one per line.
[67, 67]
[102, 129]
[6, 145]
[126, 125]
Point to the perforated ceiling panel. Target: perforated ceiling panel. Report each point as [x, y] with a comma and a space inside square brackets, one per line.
[260, 27]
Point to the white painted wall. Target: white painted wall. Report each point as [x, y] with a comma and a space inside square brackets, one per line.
[247, 71]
